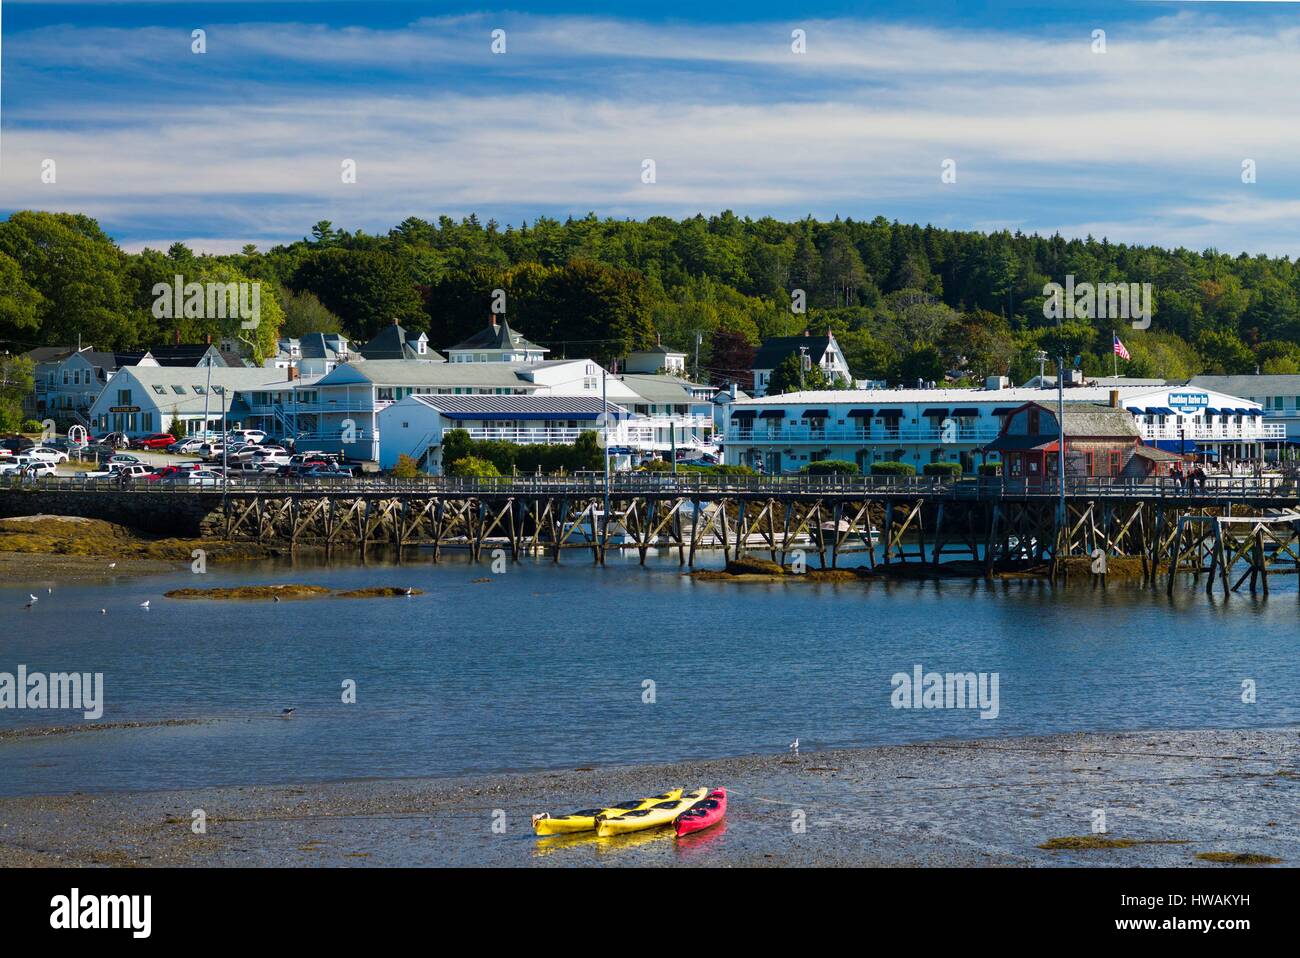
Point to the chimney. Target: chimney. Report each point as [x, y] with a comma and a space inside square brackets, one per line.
[176, 337]
[492, 318]
[733, 390]
[805, 332]
[293, 373]
[1114, 399]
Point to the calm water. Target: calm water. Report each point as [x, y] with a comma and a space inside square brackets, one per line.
[544, 667]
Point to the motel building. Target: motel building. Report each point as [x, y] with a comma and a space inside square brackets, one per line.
[415, 425]
[780, 434]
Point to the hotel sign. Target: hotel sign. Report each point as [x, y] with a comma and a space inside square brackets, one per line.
[123, 408]
[1188, 403]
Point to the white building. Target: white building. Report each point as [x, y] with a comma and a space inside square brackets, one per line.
[821, 351]
[314, 354]
[142, 400]
[1278, 395]
[658, 359]
[415, 426]
[919, 426]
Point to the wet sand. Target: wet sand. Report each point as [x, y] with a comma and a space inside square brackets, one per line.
[983, 803]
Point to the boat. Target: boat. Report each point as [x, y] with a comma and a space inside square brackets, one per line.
[660, 813]
[703, 814]
[585, 819]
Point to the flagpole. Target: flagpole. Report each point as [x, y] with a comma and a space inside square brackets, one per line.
[1114, 353]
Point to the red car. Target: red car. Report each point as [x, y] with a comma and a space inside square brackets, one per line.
[159, 440]
[164, 473]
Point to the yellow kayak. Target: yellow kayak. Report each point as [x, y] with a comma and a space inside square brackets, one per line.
[585, 820]
[652, 816]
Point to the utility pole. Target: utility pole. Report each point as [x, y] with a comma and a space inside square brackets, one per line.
[604, 419]
[1060, 443]
[699, 337]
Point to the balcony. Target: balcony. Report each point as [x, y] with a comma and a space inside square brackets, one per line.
[1252, 430]
[879, 434]
[625, 436]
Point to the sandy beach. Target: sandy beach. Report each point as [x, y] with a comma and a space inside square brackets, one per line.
[1167, 796]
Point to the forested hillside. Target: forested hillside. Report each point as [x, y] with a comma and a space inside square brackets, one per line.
[905, 302]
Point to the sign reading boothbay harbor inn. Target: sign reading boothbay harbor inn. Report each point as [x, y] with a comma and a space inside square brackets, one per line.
[917, 426]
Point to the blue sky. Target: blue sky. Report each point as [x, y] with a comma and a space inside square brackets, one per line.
[1143, 143]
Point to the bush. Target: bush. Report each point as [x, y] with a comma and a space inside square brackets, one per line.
[473, 467]
[889, 468]
[830, 467]
[406, 467]
[721, 470]
[990, 469]
[508, 457]
[32, 425]
[949, 469]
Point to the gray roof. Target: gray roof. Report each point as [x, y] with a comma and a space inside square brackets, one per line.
[775, 349]
[489, 407]
[498, 336]
[395, 342]
[1247, 386]
[1093, 419]
[231, 380]
[658, 389]
[405, 372]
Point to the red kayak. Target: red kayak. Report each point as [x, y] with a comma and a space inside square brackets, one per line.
[706, 812]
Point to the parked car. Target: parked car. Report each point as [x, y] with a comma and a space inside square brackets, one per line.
[194, 477]
[39, 469]
[186, 446]
[15, 465]
[328, 472]
[159, 440]
[116, 440]
[47, 453]
[16, 444]
[124, 458]
[160, 474]
[118, 472]
[247, 435]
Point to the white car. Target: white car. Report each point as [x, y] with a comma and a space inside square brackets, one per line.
[14, 466]
[47, 453]
[39, 469]
[189, 446]
[247, 435]
[194, 477]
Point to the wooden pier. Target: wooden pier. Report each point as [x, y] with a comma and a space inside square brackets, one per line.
[1238, 532]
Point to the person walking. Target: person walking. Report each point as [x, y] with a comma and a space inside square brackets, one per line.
[1176, 473]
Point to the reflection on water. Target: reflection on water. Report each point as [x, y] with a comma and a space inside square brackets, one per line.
[546, 666]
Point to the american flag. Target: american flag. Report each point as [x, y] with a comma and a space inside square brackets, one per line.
[1120, 351]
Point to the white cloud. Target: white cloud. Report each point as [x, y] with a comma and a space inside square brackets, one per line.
[860, 123]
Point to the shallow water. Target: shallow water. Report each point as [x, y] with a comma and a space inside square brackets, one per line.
[545, 666]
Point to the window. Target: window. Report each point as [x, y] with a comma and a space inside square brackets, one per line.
[65, 377]
[124, 397]
[178, 390]
[199, 390]
[159, 390]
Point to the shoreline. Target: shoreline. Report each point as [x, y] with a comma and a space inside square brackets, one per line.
[977, 803]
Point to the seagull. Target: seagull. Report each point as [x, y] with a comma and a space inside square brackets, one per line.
[103, 611]
[288, 713]
[409, 591]
[112, 565]
[794, 746]
[49, 591]
[275, 598]
[145, 604]
[33, 598]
